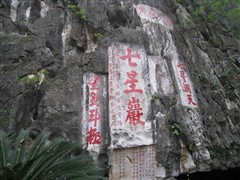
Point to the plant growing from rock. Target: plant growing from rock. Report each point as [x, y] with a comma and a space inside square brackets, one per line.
[78, 12]
[27, 159]
[175, 129]
[219, 12]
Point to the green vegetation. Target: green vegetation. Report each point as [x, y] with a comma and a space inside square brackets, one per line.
[78, 12]
[175, 129]
[35, 77]
[155, 96]
[30, 79]
[97, 35]
[219, 12]
[24, 158]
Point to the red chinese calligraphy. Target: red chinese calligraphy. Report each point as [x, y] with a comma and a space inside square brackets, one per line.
[183, 76]
[94, 98]
[129, 57]
[190, 100]
[187, 88]
[142, 9]
[153, 13]
[94, 136]
[134, 112]
[132, 81]
[94, 116]
[166, 21]
[94, 83]
[180, 65]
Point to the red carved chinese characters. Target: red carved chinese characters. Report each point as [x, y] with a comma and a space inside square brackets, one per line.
[94, 98]
[94, 136]
[129, 57]
[94, 116]
[186, 87]
[134, 112]
[142, 9]
[132, 81]
[94, 83]
[190, 100]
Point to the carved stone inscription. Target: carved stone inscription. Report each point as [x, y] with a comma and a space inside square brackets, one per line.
[94, 96]
[135, 163]
[129, 96]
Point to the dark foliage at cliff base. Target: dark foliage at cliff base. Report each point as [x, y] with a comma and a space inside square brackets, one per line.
[26, 159]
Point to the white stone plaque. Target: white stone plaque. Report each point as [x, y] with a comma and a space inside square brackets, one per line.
[154, 15]
[135, 163]
[186, 91]
[94, 99]
[129, 96]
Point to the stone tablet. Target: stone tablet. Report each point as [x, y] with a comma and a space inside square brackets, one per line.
[135, 163]
[129, 96]
[94, 100]
[153, 15]
[186, 91]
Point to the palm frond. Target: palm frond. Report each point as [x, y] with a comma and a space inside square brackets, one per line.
[50, 155]
[4, 149]
[19, 152]
[38, 144]
[44, 159]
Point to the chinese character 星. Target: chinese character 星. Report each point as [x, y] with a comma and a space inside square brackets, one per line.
[132, 81]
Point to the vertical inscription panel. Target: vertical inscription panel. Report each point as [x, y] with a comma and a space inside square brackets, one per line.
[93, 106]
[187, 93]
[153, 15]
[129, 96]
[135, 163]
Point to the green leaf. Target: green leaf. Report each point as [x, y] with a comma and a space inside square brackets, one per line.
[4, 149]
[19, 152]
[51, 155]
[80, 166]
[38, 144]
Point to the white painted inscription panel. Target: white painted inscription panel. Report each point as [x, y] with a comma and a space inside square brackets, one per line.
[129, 96]
[94, 95]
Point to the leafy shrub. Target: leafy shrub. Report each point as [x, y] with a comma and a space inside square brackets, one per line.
[224, 12]
[41, 159]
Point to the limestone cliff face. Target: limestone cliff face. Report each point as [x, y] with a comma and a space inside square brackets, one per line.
[136, 82]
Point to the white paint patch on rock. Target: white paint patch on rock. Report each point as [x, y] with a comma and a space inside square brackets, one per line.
[44, 9]
[13, 10]
[133, 163]
[160, 77]
[151, 14]
[170, 49]
[129, 96]
[186, 162]
[93, 109]
[28, 11]
[66, 34]
[160, 171]
[185, 86]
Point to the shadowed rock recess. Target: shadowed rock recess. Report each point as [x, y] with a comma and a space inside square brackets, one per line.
[136, 82]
